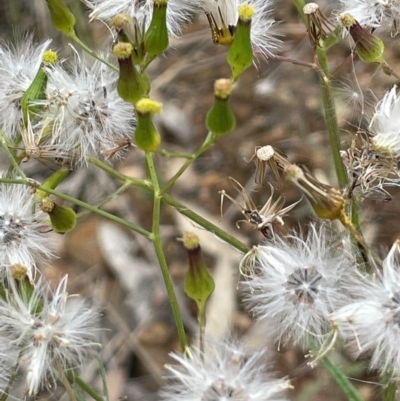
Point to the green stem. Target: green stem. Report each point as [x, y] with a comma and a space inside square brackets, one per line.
[182, 209]
[389, 391]
[176, 155]
[209, 141]
[87, 389]
[6, 149]
[122, 177]
[341, 380]
[108, 198]
[13, 376]
[78, 202]
[146, 185]
[91, 52]
[160, 252]
[331, 118]
[299, 4]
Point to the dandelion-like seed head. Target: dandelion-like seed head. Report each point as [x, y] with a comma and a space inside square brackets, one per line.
[374, 13]
[50, 329]
[371, 323]
[298, 283]
[385, 123]
[370, 172]
[224, 372]
[223, 16]
[84, 112]
[21, 229]
[18, 67]
[179, 12]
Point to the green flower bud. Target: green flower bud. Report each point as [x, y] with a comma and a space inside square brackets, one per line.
[52, 182]
[240, 55]
[156, 37]
[369, 47]
[221, 119]
[198, 284]
[62, 218]
[132, 85]
[37, 89]
[62, 19]
[147, 137]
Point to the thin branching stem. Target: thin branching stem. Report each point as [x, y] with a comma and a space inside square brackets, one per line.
[160, 252]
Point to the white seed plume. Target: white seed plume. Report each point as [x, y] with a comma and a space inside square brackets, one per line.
[84, 111]
[385, 124]
[18, 67]
[371, 323]
[51, 330]
[22, 228]
[297, 283]
[374, 13]
[179, 12]
[225, 15]
[224, 372]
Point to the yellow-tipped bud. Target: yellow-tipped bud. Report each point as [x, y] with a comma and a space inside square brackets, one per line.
[327, 202]
[221, 118]
[146, 135]
[240, 55]
[132, 85]
[198, 284]
[18, 271]
[369, 47]
[50, 57]
[47, 205]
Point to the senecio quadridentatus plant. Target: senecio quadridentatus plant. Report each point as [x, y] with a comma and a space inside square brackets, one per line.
[316, 287]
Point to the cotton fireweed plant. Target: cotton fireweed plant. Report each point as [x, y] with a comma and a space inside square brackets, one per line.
[311, 284]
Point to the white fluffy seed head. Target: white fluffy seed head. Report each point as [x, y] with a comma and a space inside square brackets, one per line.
[374, 13]
[179, 12]
[18, 67]
[50, 329]
[371, 323]
[84, 110]
[224, 12]
[298, 283]
[225, 371]
[22, 229]
[385, 124]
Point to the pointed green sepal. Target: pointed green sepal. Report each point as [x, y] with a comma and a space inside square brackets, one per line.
[198, 283]
[147, 137]
[221, 118]
[62, 19]
[156, 38]
[132, 85]
[36, 91]
[240, 55]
